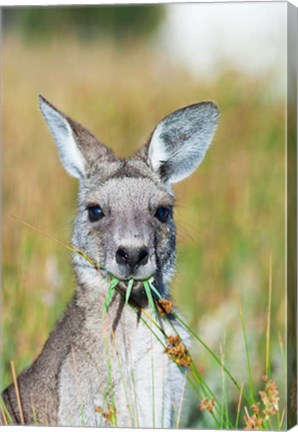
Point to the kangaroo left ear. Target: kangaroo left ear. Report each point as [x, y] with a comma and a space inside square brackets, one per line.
[180, 141]
[78, 149]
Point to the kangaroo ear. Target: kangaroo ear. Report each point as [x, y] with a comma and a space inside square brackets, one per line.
[180, 141]
[78, 149]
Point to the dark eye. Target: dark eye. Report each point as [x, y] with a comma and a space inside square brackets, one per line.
[163, 214]
[95, 213]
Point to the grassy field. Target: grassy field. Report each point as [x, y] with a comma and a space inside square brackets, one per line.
[230, 213]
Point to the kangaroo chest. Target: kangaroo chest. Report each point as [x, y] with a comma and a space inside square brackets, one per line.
[116, 374]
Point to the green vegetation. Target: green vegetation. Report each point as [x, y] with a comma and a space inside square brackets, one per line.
[120, 22]
[230, 214]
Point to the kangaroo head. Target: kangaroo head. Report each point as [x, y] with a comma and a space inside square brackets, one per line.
[125, 207]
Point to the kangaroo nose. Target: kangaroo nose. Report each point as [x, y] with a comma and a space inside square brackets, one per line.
[132, 257]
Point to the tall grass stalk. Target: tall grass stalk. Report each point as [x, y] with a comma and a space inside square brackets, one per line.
[110, 388]
[213, 355]
[135, 399]
[239, 407]
[5, 414]
[180, 404]
[247, 359]
[15, 382]
[282, 352]
[267, 368]
[282, 419]
[224, 405]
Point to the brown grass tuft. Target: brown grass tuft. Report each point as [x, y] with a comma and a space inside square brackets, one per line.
[14, 376]
[164, 306]
[207, 405]
[109, 414]
[252, 422]
[177, 351]
[270, 398]
[263, 410]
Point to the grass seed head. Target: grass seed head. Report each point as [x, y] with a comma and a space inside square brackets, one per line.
[207, 405]
[98, 409]
[177, 351]
[270, 398]
[252, 422]
[164, 306]
[109, 414]
[256, 408]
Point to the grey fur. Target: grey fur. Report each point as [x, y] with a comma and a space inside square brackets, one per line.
[92, 361]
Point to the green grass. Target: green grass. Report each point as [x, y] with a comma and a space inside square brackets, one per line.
[251, 386]
[128, 291]
[230, 213]
[110, 293]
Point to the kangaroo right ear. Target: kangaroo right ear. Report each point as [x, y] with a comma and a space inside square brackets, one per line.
[78, 149]
[180, 141]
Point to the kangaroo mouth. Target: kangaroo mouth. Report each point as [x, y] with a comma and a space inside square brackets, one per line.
[136, 283]
[137, 292]
[137, 295]
[123, 285]
[126, 272]
[132, 287]
[125, 279]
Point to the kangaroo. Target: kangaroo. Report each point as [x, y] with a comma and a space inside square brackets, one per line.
[111, 367]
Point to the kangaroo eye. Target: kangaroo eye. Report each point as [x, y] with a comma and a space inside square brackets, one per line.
[95, 213]
[163, 214]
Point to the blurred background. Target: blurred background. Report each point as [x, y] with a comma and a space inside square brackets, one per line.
[118, 70]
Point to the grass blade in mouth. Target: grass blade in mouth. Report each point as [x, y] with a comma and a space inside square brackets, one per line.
[128, 291]
[109, 296]
[157, 293]
[150, 298]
